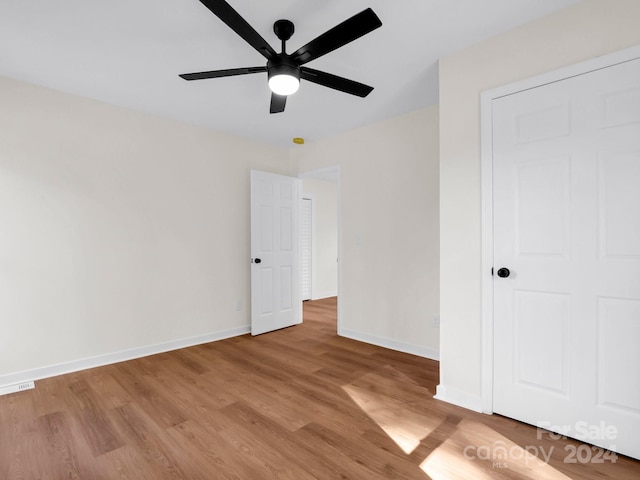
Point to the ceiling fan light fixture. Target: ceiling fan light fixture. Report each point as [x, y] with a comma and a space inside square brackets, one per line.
[284, 84]
[284, 77]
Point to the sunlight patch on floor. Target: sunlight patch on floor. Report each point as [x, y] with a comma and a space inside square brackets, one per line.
[405, 427]
[468, 449]
[476, 451]
[445, 464]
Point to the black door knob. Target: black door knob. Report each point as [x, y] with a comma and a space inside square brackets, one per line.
[504, 272]
[257, 260]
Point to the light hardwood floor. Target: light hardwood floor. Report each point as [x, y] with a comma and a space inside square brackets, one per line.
[300, 403]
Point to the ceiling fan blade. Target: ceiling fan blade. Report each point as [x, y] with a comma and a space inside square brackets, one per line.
[348, 31]
[278, 103]
[337, 83]
[228, 15]
[222, 73]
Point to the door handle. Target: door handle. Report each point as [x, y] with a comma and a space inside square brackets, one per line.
[256, 260]
[504, 272]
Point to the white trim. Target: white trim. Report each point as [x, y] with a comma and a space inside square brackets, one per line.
[340, 292]
[596, 63]
[312, 198]
[486, 132]
[459, 398]
[19, 387]
[486, 164]
[298, 290]
[115, 357]
[391, 344]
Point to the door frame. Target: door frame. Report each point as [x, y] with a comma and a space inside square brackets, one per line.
[334, 174]
[312, 198]
[486, 167]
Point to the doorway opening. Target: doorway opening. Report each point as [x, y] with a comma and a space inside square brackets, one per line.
[319, 237]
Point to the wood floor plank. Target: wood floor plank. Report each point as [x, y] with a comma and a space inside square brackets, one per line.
[190, 361]
[51, 398]
[275, 405]
[296, 359]
[155, 402]
[95, 425]
[297, 452]
[193, 391]
[300, 403]
[64, 449]
[18, 407]
[267, 457]
[26, 444]
[375, 464]
[333, 405]
[125, 463]
[143, 432]
[218, 457]
[107, 388]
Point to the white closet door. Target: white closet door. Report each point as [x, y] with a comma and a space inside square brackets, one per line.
[566, 186]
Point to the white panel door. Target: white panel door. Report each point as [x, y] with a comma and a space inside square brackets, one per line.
[566, 186]
[275, 285]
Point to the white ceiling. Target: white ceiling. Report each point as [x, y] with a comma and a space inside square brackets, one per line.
[130, 52]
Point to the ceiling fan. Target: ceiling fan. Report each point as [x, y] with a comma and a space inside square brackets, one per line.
[285, 70]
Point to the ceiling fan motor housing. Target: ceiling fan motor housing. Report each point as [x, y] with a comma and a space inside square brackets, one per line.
[283, 65]
[283, 29]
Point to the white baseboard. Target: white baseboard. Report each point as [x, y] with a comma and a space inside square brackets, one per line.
[6, 390]
[459, 398]
[321, 295]
[9, 382]
[391, 344]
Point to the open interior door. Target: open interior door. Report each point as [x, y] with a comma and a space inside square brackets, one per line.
[275, 282]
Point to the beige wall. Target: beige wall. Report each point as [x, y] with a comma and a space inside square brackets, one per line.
[325, 249]
[118, 230]
[586, 30]
[122, 231]
[389, 228]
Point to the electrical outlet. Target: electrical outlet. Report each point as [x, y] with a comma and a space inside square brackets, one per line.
[435, 322]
